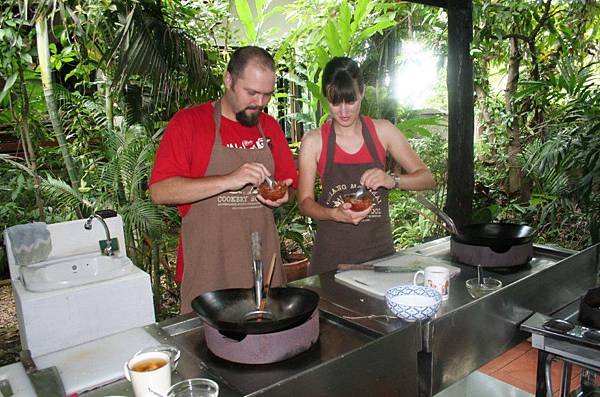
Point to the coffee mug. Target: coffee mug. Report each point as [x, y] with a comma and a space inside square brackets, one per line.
[149, 373]
[437, 277]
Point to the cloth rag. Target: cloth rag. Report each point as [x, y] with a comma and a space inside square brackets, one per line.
[30, 243]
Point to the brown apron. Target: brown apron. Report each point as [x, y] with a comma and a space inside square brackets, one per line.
[337, 242]
[216, 231]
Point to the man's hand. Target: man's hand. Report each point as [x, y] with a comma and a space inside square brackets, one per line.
[247, 174]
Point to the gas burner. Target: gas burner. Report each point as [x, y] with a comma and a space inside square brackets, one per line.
[560, 326]
[592, 335]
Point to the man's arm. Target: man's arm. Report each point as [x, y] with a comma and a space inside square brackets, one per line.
[183, 190]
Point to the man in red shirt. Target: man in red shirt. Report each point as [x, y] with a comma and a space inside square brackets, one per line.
[209, 163]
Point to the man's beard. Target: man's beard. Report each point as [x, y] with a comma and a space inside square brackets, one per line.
[248, 120]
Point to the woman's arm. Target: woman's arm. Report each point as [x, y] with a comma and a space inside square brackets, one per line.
[417, 176]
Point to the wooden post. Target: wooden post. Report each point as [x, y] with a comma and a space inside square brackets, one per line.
[459, 203]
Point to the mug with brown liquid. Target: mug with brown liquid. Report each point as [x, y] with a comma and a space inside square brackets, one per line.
[149, 373]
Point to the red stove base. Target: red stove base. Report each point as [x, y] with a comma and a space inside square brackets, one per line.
[264, 348]
[474, 255]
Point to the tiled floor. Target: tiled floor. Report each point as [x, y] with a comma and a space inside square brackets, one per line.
[518, 365]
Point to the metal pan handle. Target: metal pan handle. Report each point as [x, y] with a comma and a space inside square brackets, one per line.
[433, 208]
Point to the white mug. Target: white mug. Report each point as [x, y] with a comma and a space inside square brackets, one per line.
[149, 373]
[437, 277]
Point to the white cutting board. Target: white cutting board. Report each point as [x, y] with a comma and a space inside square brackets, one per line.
[98, 362]
[376, 283]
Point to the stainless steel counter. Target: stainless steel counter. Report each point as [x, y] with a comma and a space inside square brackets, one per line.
[466, 333]
[364, 350]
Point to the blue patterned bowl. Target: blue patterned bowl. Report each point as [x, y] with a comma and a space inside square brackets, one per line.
[413, 302]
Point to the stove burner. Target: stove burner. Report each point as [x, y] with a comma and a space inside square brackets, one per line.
[560, 326]
[592, 335]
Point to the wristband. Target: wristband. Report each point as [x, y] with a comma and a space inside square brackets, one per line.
[396, 182]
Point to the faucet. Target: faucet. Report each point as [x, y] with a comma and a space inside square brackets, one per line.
[108, 250]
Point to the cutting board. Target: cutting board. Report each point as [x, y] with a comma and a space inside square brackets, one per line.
[98, 362]
[376, 283]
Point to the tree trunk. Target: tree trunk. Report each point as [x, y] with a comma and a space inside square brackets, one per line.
[41, 28]
[459, 204]
[514, 134]
[30, 156]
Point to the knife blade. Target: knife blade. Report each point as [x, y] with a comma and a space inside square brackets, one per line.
[378, 268]
[46, 382]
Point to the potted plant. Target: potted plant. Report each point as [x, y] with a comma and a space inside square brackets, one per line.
[295, 234]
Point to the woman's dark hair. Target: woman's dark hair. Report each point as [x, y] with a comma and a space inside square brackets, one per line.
[243, 55]
[342, 81]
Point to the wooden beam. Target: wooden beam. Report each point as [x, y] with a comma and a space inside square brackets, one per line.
[435, 3]
[459, 202]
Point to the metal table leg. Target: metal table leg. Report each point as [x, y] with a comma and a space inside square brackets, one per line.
[565, 379]
[540, 380]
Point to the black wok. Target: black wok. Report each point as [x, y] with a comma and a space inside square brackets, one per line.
[500, 237]
[227, 309]
[486, 243]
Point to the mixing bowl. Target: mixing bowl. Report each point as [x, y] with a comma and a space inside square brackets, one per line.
[274, 192]
[413, 302]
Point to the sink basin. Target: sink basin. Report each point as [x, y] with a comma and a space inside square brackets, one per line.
[74, 271]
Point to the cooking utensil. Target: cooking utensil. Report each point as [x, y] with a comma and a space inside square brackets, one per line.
[225, 309]
[270, 270]
[362, 191]
[489, 244]
[257, 268]
[377, 268]
[451, 226]
[270, 181]
[46, 381]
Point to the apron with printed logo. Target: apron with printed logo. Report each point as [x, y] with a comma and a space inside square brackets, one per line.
[337, 242]
[217, 230]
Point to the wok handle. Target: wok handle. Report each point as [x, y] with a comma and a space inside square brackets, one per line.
[433, 208]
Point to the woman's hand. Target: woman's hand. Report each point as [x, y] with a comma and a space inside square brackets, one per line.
[374, 178]
[342, 213]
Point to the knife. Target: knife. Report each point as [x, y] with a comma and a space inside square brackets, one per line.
[46, 382]
[378, 268]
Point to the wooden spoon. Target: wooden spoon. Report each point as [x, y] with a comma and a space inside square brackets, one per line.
[270, 271]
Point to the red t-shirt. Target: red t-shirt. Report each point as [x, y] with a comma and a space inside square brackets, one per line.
[187, 143]
[342, 157]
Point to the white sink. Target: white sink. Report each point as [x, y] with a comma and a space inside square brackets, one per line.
[74, 271]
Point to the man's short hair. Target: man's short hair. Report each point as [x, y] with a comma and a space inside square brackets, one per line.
[243, 55]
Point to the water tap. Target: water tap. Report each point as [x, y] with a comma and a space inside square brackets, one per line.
[108, 250]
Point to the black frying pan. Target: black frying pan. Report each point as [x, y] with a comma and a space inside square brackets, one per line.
[226, 309]
[494, 234]
[483, 234]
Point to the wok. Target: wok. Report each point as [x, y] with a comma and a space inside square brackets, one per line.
[227, 309]
[498, 237]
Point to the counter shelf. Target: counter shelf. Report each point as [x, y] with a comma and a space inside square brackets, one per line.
[357, 354]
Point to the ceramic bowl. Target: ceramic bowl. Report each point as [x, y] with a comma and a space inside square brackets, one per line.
[487, 285]
[413, 302]
[359, 203]
[272, 193]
